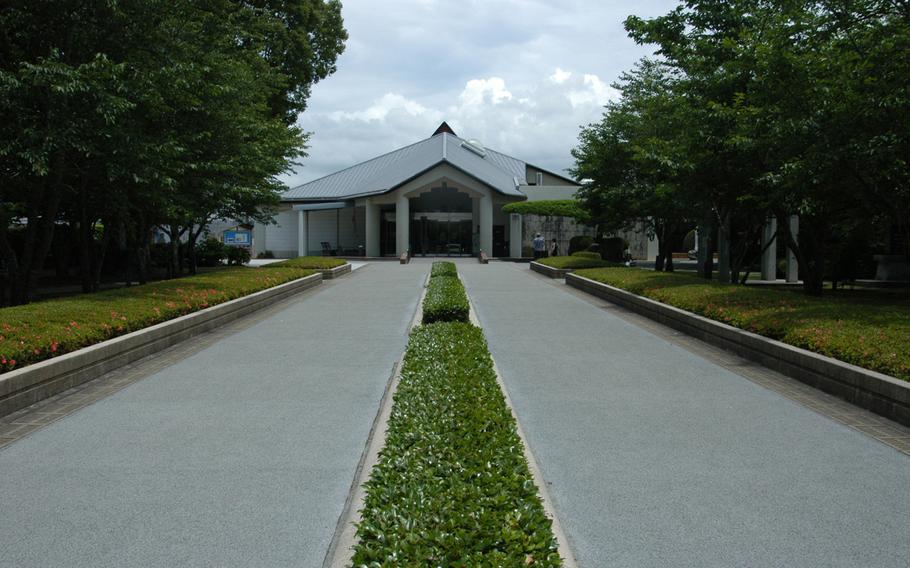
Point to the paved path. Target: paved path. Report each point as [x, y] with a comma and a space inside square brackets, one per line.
[658, 457]
[240, 455]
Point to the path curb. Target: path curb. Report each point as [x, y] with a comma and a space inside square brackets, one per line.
[549, 271]
[26, 386]
[337, 272]
[876, 392]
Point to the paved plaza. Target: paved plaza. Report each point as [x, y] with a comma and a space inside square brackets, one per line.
[241, 451]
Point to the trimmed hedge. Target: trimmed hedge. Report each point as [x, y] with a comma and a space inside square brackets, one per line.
[575, 262]
[452, 487]
[549, 207]
[309, 263]
[446, 300]
[42, 330]
[867, 329]
[443, 268]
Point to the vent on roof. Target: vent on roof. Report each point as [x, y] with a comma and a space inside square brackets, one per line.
[474, 146]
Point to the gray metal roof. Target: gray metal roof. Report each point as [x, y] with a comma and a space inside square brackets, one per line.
[386, 172]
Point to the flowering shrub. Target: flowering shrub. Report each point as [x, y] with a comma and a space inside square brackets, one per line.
[42, 330]
[867, 329]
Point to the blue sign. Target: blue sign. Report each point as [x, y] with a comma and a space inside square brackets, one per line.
[238, 238]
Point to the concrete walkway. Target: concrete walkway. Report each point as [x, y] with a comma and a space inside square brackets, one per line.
[240, 455]
[657, 457]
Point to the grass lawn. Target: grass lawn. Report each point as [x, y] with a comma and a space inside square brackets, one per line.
[309, 262]
[867, 329]
[574, 262]
[41, 330]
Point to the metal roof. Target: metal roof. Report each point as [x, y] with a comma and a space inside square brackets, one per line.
[386, 172]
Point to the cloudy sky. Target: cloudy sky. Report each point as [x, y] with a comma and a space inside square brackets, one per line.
[521, 76]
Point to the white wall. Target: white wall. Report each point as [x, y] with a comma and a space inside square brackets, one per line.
[320, 227]
[281, 238]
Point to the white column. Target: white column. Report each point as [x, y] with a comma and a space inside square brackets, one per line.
[402, 224]
[486, 225]
[769, 251]
[371, 228]
[515, 235]
[302, 247]
[792, 266]
[653, 247]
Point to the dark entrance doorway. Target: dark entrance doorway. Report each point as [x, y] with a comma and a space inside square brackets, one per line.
[441, 223]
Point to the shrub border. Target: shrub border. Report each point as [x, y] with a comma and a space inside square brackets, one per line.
[26, 386]
[876, 392]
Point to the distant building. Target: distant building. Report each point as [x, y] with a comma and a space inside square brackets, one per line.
[442, 195]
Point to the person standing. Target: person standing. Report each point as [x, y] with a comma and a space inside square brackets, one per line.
[540, 246]
[554, 248]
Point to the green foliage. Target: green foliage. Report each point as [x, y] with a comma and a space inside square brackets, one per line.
[552, 207]
[585, 254]
[42, 330]
[309, 262]
[579, 243]
[211, 252]
[237, 256]
[443, 268]
[446, 300]
[574, 262]
[452, 487]
[870, 330]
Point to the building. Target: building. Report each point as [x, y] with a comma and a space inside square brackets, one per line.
[440, 196]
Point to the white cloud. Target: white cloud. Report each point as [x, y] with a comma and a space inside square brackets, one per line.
[560, 76]
[519, 75]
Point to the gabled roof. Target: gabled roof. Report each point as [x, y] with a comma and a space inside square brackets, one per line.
[385, 173]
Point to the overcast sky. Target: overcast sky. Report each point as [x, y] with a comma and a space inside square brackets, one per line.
[521, 76]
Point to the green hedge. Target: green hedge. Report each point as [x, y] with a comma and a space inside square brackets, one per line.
[446, 300]
[574, 262]
[452, 487]
[587, 254]
[309, 263]
[867, 329]
[42, 330]
[443, 268]
[548, 207]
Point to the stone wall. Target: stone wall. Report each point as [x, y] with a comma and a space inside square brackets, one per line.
[551, 227]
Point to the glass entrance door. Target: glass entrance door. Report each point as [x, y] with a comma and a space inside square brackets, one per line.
[441, 233]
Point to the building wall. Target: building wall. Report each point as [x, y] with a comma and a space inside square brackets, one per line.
[281, 237]
[551, 227]
[548, 178]
[547, 192]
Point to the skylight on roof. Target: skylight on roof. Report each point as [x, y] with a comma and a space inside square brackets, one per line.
[474, 146]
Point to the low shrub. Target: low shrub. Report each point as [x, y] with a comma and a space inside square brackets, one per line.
[549, 207]
[574, 262]
[42, 330]
[579, 243]
[446, 300]
[443, 268]
[210, 252]
[309, 263]
[867, 329]
[612, 249]
[586, 254]
[452, 487]
[238, 255]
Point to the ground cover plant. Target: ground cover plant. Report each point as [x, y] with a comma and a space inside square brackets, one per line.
[446, 299]
[309, 262]
[575, 262]
[868, 329]
[452, 487]
[41, 330]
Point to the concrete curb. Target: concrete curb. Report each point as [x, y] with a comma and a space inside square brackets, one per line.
[549, 271]
[28, 385]
[337, 272]
[876, 392]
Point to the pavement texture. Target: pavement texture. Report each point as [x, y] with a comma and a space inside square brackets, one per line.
[241, 454]
[655, 456]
